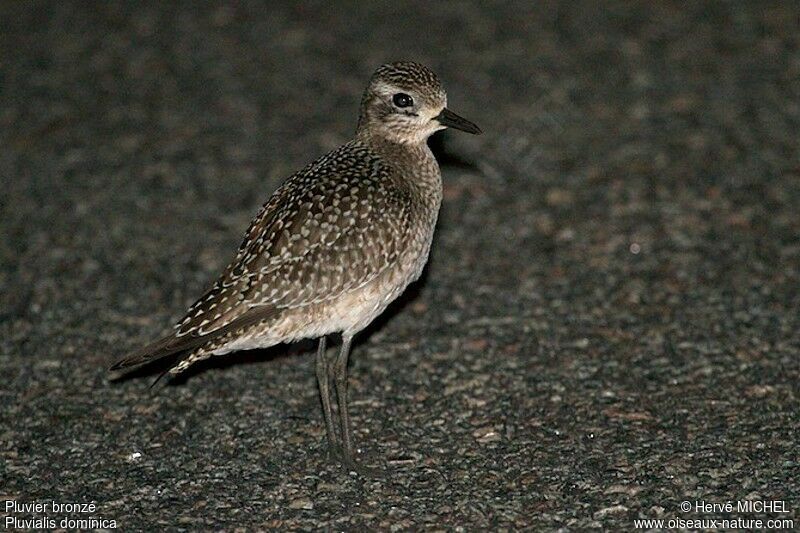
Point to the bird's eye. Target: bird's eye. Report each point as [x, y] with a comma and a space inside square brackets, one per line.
[402, 100]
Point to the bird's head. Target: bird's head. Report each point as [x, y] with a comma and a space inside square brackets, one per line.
[405, 103]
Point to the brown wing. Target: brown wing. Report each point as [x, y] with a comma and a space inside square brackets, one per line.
[329, 229]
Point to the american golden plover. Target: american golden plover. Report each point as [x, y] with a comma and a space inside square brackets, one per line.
[333, 246]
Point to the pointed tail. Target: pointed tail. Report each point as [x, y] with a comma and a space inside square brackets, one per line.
[173, 344]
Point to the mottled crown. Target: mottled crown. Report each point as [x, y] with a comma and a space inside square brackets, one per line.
[379, 115]
[409, 75]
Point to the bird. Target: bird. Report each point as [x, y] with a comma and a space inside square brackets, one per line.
[332, 247]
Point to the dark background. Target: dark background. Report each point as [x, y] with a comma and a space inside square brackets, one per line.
[608, 325]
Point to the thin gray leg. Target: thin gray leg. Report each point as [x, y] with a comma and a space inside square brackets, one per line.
[323, 380]
[340, 373]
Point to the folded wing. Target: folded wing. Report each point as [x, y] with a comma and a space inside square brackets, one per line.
[331, 228]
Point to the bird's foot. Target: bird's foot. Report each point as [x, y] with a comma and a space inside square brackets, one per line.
[335, 453]
[348, 461]
[351, 465]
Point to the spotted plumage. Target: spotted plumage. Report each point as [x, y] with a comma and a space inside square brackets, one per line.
[335, 244]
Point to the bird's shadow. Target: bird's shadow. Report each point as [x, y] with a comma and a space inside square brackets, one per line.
[446, 157]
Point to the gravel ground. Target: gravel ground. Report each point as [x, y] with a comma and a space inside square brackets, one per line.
[608, 325]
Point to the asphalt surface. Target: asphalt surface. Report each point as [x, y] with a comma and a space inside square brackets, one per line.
[609, 324]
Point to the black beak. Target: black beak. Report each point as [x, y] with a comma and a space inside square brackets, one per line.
[451, 120]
